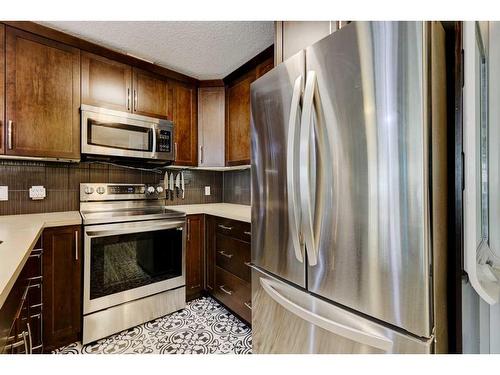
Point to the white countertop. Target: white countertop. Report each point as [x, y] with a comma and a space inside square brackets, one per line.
[19, 234]
[238, 212]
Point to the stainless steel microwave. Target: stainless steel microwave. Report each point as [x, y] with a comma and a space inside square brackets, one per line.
[114, 134]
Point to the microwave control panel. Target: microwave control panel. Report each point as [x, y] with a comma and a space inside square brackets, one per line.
[164, 141]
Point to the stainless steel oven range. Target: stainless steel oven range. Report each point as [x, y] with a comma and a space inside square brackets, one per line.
[134, 257]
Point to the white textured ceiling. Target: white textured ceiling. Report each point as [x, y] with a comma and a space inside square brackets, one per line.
[201, 49]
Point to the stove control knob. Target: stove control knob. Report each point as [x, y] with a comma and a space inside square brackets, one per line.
[89, 190]
[159, 189]
[151, 189]
[100, 190]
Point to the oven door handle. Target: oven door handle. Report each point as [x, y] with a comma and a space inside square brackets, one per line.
[147, 227]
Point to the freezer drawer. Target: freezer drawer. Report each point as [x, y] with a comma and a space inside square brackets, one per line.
[286, 319]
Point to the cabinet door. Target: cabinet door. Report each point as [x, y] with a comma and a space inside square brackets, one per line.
[185, 126]
[152, 96]
[211, 126]
[210, 252]
[42, 97]
[62, 293]
[2, 88]
[238, 120]
[194, 256]
[106, 83]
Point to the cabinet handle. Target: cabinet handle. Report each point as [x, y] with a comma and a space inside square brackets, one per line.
[225, 290]
[223, 253]
[9, 134]
[224, 227]
[248, 304]
[175, 151]
[201, 154]
[188, 230]
[76, 245]
[248, 233]
[128, 99]
[135, 100]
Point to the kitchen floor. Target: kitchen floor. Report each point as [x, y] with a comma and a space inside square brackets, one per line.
[203, 327]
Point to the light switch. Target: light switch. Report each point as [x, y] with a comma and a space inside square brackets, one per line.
[4, 193]
[207, 190]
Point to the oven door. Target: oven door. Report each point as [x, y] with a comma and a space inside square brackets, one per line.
[128, 261]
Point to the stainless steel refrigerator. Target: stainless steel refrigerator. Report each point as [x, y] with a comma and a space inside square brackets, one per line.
[349, 194]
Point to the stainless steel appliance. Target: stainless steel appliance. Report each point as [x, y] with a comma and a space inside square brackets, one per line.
[134, 257]
[348, 232]
[114, 134]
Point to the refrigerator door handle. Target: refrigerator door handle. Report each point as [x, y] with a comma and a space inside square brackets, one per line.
[305, 183]
[353, 334]
[291, 155]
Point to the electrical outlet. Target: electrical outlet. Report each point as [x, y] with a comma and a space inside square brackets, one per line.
[207, 190]
[4, 193]
[37, 192]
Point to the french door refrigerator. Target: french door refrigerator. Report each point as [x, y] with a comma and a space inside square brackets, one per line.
[349, 194]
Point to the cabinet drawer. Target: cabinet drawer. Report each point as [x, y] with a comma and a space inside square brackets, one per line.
[233, 228]
[233, 255]
[233, 292]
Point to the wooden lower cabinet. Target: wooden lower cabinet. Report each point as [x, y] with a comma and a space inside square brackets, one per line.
[21, 314]
[62, 286]
[195, 256]
[228, 264]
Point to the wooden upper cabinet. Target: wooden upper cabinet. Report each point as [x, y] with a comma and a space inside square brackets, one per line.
[2, 88]
[106, 83]
[238, 120]
[42, 97]
[185, 125]
[211, 126]
[152, 95]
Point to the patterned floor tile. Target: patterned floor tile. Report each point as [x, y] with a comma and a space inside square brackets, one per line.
[203, 327]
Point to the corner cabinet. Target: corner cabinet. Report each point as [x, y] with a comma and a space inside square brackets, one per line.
[62, 286]
[195, 256]
[42, 97]
[185, 124]
[211, 126]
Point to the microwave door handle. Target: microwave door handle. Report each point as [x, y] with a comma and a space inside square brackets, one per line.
[149, 227]
[291, 155]
[305, 165]
[154, 135]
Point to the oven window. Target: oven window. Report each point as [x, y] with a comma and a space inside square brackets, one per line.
[128, 261]
[120, 136]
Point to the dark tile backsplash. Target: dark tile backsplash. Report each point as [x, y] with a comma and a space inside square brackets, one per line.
[62, 182]
[236, 187]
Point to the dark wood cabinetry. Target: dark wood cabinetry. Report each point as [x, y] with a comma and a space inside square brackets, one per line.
[42, 97]
[21, 314]
[152, 95]
[238, 120]
[62, 286]
[185, 124]
[228, 264]
[237, 129]
[106, 83]
[195, 256]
